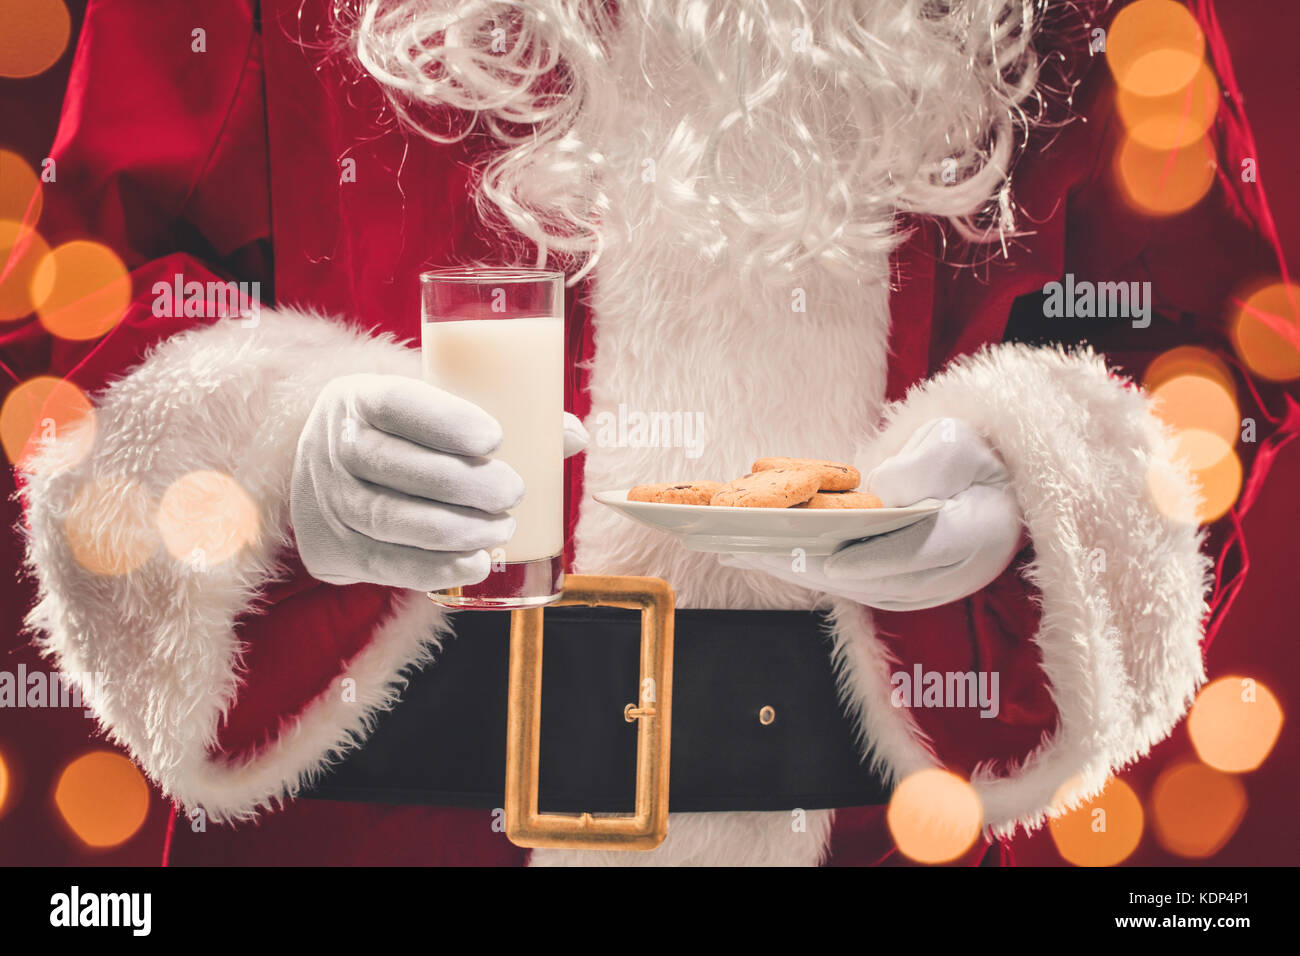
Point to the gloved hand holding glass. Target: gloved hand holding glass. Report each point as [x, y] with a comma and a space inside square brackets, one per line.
[453, 485]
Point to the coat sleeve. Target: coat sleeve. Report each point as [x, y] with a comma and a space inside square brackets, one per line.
[220, 672]
[1097, 631]
[152, 553]
[1119, 579]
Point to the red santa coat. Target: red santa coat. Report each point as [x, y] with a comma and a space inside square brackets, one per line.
[240, 165]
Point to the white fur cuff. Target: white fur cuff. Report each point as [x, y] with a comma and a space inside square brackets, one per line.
[230, 398]
[1123, 585]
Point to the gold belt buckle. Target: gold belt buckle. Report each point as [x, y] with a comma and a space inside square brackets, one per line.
[647, 826]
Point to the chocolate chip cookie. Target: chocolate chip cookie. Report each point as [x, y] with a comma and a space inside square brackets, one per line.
[832, 475]
[771, 488]
[676, 492]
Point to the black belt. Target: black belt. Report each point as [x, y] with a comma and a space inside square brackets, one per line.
[444, 743]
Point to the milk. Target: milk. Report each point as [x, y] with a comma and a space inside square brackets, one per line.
[514, 370]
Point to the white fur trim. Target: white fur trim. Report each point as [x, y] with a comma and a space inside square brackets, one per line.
[230, 397]
[1120, 644]
[756, 377]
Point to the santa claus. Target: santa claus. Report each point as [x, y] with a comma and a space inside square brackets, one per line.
[804, 223]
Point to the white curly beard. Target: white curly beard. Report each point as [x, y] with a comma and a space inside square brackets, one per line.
[795, 131]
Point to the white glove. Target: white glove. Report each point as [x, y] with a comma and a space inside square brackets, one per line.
[391, 485]
[945, 556]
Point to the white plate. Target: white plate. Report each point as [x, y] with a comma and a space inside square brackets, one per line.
[767, 530]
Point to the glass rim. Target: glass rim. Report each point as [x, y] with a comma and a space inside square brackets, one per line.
[497, 274]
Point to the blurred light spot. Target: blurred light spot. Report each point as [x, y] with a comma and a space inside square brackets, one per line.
[1194, 402]
[1176, 119]
[45, 408]
[20, 189]
[33, 35]
[206, 517]
[1196, 809]
[103, 798]
[1199, 450]
[1220, 482]
[1234, 724]
[1266, 332]
[1169, 492]
[22, 250]
[4, 786]
[934, 816]
[1188, 360]
[1103, 831]
[81, 290]
[1154, 47]
[109, 527]
[1165, 182]
[1061, 801]
[1217, 479]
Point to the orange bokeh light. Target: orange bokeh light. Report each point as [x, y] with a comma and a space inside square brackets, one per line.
[934, 816]
[4, 786]
[1154, 47]
[103, 798]
[44, 408]
[81, 289]
[1163, 182]
[22, 250]
[206, 517]
[33, 35]
[1176, 119]
[1196, 809]
[1218, 482]
[1234, 724]
[1200, 451]
[1167, 489]
[109, 528]
[1193, 392]
[1196, 402]
[20, 190]
[1102, 832]
[1266, 332]
[1188, 360]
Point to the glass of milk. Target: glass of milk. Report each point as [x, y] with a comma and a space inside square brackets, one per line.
[496, 338]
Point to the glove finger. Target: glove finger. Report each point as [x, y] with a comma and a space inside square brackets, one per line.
[774, 565]
[401, 566]
[917, 547]
[916, 589]
[576, 437]
[943, 457]
[797, 569]
[981, 519]
[929, 588]
[882, 604]
[973, 540]
[384, 460]
[381, 514]
[426, 415]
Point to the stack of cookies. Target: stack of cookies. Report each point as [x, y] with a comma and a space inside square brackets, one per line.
[772, 483]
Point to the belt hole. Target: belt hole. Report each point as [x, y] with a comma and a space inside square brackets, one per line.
[766, 716]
